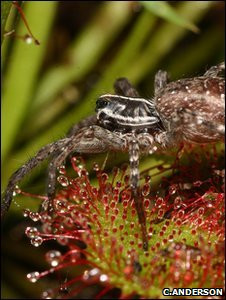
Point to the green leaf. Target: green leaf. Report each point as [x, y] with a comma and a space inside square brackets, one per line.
[5, 9]
[21, 76]
[164, 10]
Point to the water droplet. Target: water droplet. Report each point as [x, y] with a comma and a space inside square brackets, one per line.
[160, 213]
[159, 202]
[61, 206]
[53, 257]
[103, 278]
[180, 213]
[172, 189]
[91, 275]
[28, 39]
[26, 212]
[177, 202]
[201, 211]
[16, 191]
[146, 189]
[31, 232]
[178, 222]
[63, 180]
[33, 276]
[48, 294]
[62, 170]
[35, 216]
[96, 167]
[36, 241]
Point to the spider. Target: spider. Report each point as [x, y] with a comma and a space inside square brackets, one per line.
[187, 110]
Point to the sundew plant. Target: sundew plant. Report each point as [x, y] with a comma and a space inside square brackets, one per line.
[91, 246]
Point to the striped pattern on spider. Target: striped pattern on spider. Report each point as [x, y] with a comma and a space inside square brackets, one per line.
[190, 109]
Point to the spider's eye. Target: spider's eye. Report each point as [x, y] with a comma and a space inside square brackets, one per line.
[101, 103]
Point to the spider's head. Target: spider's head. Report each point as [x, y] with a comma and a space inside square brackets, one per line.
[126, 114]
[108, 107]
[101, 103]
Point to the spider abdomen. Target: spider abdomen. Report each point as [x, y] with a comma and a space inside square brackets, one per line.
[194, 108]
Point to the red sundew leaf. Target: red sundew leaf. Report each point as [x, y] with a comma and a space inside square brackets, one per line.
[185, 226]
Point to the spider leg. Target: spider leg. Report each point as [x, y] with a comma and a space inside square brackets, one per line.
[91, 120]
[161, 79]
[124, 88]
[93, 139]
[215, 70]
[42, 154]
[56, 162]
[134, 179]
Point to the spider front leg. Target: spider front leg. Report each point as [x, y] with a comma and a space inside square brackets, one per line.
[55, 163]
[42, 154]
[89, 121]
[93, 139]
[134, 180]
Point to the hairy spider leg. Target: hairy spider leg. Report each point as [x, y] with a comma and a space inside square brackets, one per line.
[92, 139]
[215, 70]
[42, 154]
[123, 87]
[134, 181]
[89, 121]
[161, 79]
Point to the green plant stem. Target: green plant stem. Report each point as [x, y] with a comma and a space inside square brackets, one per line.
[22, 74]
[5, 10]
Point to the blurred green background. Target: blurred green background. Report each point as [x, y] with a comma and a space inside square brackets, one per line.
[84, 47]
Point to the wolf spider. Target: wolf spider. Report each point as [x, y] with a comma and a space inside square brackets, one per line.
[186, 110]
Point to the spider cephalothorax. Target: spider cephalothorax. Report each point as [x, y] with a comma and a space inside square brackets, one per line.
[189, 110]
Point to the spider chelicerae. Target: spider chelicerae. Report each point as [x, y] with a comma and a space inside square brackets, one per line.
[190, 109]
